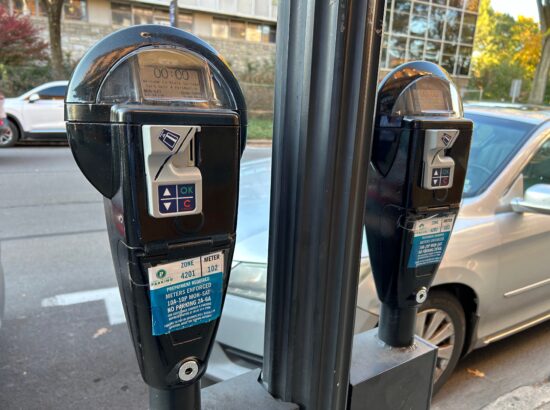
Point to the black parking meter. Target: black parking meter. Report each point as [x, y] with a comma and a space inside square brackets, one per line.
[157, 123]
[419, 157]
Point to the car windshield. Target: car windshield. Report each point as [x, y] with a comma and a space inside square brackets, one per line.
[494, 143]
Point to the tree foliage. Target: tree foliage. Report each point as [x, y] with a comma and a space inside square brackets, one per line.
[504, 49]
[20, 42]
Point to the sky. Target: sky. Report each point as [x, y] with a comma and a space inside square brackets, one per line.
[515, 8]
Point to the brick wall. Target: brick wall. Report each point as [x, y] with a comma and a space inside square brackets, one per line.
[76, 36]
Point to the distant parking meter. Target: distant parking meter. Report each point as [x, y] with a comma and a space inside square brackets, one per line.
[419, 157]
[157, 123]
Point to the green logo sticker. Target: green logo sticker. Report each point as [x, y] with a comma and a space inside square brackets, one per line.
[161, 274]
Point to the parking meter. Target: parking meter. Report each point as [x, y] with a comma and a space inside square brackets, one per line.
[157, 123]
[419, 157]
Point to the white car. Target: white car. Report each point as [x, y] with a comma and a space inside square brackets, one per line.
[37, 115]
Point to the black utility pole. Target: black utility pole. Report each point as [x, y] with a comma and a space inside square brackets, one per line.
[327, 65]
[174, 13]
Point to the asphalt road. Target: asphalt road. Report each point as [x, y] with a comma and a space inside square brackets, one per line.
[64, 343]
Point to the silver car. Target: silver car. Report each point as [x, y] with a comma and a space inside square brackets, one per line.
[493, 282]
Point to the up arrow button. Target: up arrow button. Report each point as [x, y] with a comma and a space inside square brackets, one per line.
[167, 191]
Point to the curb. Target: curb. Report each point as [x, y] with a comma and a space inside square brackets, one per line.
[258, 143]
[531, 397]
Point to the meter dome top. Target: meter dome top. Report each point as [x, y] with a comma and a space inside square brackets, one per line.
[418, 88]
[151, 64]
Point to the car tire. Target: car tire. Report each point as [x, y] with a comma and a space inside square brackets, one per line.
[10, 138]
[441, 321]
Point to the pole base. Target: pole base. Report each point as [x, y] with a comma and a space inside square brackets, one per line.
[387, 378]
[396, 327]
[185, 398]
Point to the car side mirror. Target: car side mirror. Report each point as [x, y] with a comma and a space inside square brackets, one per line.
[34, 98]
[536, 200]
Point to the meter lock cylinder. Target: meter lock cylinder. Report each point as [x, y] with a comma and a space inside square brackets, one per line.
[419, 158]
[157, 124]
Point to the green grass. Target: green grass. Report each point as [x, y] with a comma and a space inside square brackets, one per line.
[259, 128]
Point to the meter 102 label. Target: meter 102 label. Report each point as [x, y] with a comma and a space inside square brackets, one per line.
[186, 293]
[431, 236]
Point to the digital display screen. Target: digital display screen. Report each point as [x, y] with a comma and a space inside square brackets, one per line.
[430, 99]
[162, 77]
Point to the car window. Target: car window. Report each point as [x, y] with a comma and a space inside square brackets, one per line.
[53, 93]
[494, 142]
[537, 170]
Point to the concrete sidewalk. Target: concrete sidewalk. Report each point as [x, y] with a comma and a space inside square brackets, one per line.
[533, 397]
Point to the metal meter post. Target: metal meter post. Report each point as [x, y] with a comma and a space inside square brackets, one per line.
[418, 166]
[157, 123]
[327, 59]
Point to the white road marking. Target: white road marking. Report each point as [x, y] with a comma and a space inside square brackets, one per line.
[110, 296]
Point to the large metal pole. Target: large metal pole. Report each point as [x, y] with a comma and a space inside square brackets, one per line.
[327, 65]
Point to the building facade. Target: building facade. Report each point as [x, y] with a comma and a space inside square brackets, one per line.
[441, 31]
[244, 31]
[243, 28]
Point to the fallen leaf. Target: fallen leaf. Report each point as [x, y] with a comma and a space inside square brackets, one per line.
[476, 373]
[101, 331]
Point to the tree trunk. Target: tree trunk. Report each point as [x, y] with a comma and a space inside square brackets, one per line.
[54, 9]
[54, 25]
[536, 96]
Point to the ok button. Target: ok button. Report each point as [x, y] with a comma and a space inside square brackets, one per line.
[186, 190]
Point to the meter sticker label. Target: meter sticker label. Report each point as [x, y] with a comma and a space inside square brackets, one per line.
[186, 293]
[169, 138]
[431, 236]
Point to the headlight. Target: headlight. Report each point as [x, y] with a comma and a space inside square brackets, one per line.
[248, 280]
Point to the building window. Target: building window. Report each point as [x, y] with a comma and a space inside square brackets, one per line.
[468, 28]
[121, 14]
[75, 9]
[185, 21]
[24, 7]
[162, 17]
[142, 15]
[449, 57]
[459, 4]
[433, 51]
[472, 5]
[464, 60]
[220, 28]
[453, 25]
[124, 14]
[228, 6]
[266, 33]
[237, 30]
[253, 33]
[397, 50]
[419, 21]
[436, 23]
[401, 15]
[416, 49]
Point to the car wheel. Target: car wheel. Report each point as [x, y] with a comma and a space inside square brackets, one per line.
[10, 137]
[441, 322]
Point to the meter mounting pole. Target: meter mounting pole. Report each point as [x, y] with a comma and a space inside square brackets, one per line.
[327, 66]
